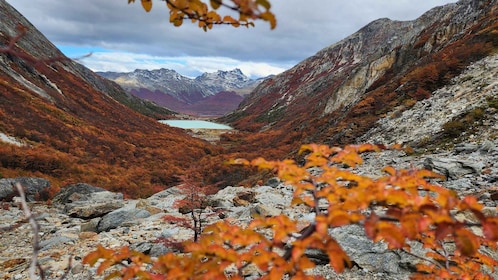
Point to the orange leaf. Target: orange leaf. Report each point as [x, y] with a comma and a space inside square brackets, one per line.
[147, 5]
[466, 242]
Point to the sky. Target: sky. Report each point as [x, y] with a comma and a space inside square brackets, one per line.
[122, 37]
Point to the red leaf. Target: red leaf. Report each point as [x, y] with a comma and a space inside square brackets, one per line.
[490, 229]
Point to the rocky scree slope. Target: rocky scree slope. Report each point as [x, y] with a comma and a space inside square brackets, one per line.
[64, 122]
[340, 92]
[211, 94]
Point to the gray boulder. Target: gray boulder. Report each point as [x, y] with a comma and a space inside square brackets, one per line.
[373, 256]
[452, 168]
[118, 217]
[34, 188]
[89, 210]
[75, 192]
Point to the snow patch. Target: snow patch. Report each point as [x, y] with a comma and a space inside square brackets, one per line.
[11, 140]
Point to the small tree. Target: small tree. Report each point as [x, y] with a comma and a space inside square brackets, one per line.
[193, 204]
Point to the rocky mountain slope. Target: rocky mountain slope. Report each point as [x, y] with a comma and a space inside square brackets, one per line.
[64, 122]
[223, 89]
[339, 93]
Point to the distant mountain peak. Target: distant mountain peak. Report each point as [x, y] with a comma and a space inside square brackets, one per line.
[185, 92]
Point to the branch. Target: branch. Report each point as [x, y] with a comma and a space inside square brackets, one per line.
[36, 237]
[11, 49]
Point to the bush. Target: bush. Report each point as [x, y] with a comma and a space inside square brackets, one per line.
[399, 207]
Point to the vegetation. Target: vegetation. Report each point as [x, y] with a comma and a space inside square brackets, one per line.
[396, 208]
[207, 15]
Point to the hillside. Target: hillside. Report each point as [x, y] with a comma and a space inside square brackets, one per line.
[208, 95]
[338, 94]
[65, 123]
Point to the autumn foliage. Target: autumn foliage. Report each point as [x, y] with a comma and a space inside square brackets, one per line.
[398, 208]
[208, 15]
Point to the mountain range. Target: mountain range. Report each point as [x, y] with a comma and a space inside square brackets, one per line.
[211, 94]
[61, 121]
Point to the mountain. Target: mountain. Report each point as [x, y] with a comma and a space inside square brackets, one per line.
[61, 121]
[340, 93]
[223, 89]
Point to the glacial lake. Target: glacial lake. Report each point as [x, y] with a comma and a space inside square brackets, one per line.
[194, 124]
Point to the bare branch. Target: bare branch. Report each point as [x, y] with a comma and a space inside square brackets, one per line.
[36, 237]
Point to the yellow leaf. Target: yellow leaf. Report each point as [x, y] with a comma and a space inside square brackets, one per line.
[147, 5]
[215, 4]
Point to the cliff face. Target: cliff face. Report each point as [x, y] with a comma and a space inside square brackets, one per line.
[353, 82]
[64, 122]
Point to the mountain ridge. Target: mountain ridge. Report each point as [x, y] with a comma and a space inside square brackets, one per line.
[350, 84]
[186, 95]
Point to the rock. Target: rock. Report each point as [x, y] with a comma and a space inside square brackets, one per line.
[34, 188]
[75, 192]
[146, 205]
[54, 241]
[91, 210]
[159, 249]
[452, 168]
[244, 198]
[143, 247]
[87, 235]
[119, 217]
[90, 226]
[264, 211]
[166, 199]
[370, 256]
[224, 197]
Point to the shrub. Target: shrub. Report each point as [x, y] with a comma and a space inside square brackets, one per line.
[395, 208]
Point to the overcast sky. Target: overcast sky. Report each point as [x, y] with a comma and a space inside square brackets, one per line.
[124, 37]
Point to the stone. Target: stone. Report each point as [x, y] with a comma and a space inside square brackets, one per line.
[146, 205]
[119, 217]
[90, 225]
[75, 192]
[374, 257]
[87, 235]
[54, 241]
[264, 211]
[89, 209]
[452, 168]
[34, 188]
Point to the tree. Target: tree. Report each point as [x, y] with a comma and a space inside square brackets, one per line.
[194, 205]
[208, 15]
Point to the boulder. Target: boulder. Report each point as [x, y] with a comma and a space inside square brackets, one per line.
[34, 188]
[89, 210]
[373, 256]
[452, 168]
[75, 192]
[119, 217]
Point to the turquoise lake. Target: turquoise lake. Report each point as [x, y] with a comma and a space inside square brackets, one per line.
[194, 124]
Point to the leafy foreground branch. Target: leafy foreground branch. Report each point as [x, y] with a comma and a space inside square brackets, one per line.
[397, 208]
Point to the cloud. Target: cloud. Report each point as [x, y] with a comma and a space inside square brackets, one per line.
[304, 27]
[186, 65]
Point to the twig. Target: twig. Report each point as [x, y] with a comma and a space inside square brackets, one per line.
[36, 229]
